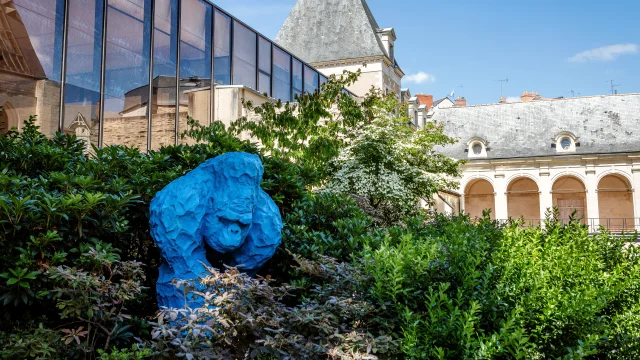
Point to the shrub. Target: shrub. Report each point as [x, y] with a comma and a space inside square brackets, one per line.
[247, 318]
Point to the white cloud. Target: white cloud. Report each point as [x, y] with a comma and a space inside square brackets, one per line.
[605, 53]
[420, 78]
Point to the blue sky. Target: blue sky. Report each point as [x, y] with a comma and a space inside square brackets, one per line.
[548, 46]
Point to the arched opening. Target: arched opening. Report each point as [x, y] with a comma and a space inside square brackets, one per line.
[478, 196]
[523, 200]
[8, 118]
[569, 196]
[615, 203]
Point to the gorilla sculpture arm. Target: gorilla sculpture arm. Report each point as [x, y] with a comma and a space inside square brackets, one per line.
[220, 205]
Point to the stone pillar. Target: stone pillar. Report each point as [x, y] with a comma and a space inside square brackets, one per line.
[593, 209]
[635, 185]
[546, 196]
[501, 197]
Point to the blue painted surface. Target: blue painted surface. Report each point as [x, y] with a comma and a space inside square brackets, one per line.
[219, 205]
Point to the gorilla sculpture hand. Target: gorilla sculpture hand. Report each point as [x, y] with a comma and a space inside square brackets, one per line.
[219, 204]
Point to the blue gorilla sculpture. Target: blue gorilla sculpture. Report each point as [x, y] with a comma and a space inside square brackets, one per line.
[219, 204]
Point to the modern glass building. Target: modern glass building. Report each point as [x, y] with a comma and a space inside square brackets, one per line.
[130, 71]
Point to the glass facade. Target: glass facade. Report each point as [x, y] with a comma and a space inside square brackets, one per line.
[126, 79]
[264, 66]
[297, 82]
[130, 72]
[281, 74]
[31, 62]
[310, 80]
[84, 64]
[244, 55]
[195, 63]
[165, 62]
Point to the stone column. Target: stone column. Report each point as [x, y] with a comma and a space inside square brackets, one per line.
[546, 186]
[501, 197]
[635, 185]
[593, 210]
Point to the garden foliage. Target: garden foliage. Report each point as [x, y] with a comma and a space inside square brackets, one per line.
[78, 267]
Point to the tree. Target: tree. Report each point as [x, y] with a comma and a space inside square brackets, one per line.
[389, 165]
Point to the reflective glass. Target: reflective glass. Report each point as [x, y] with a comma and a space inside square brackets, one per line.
[281, 75]
[297, 78]
[31, 62]
[244, 56]
[165, 60]
[264, 66]
[195, 63]
[126, 88]
[84, 52]
[222, 49]
[310, 80]
[323, 79]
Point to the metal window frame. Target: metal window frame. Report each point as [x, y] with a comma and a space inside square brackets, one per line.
[103, 72]
[179, 36]
[151, 65]
[63, 70]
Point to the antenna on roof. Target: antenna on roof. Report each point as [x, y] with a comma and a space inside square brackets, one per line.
[502, 82]
[462, 87]
[613, 87]
[573, 93]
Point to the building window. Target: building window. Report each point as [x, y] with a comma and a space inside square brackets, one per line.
[565, 142]
[222, 49]
[297, 79]
[476, 148]
[264, 66]
[165, 60]
[310, 80]
[126, 84]
[194, 99]
[244, 56]
[281, 75]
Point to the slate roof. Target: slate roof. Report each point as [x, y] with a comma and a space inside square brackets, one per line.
[328, 30]
[603, 124]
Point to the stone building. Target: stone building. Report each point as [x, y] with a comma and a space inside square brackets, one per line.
[338, 35]
[579, 154]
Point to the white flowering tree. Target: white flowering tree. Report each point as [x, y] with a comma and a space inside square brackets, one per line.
[390, 166]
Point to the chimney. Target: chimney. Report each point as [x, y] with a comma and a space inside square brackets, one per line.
[461, 102]
[529, 96]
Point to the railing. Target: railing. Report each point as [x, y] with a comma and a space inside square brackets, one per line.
[613, 225]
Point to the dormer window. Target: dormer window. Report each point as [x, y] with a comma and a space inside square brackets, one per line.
[476, 148]
[565, 142]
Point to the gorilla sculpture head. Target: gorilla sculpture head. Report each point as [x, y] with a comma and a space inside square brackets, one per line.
[219, 205]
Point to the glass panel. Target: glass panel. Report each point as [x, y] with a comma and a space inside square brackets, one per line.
[195, 63]
[222, 49]
[165, 60]
[323, 79]
[264, 51]
[310, 80]
[31, 63]
[126, 88]
[297, 78]
[264, 84]
[244, 56]
[84, 52]
[281, 75]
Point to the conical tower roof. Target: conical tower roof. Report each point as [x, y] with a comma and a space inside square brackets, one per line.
[327, 30]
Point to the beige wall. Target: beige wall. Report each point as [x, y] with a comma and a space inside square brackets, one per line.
[376, 73]
[523, 199]
[615, 197]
